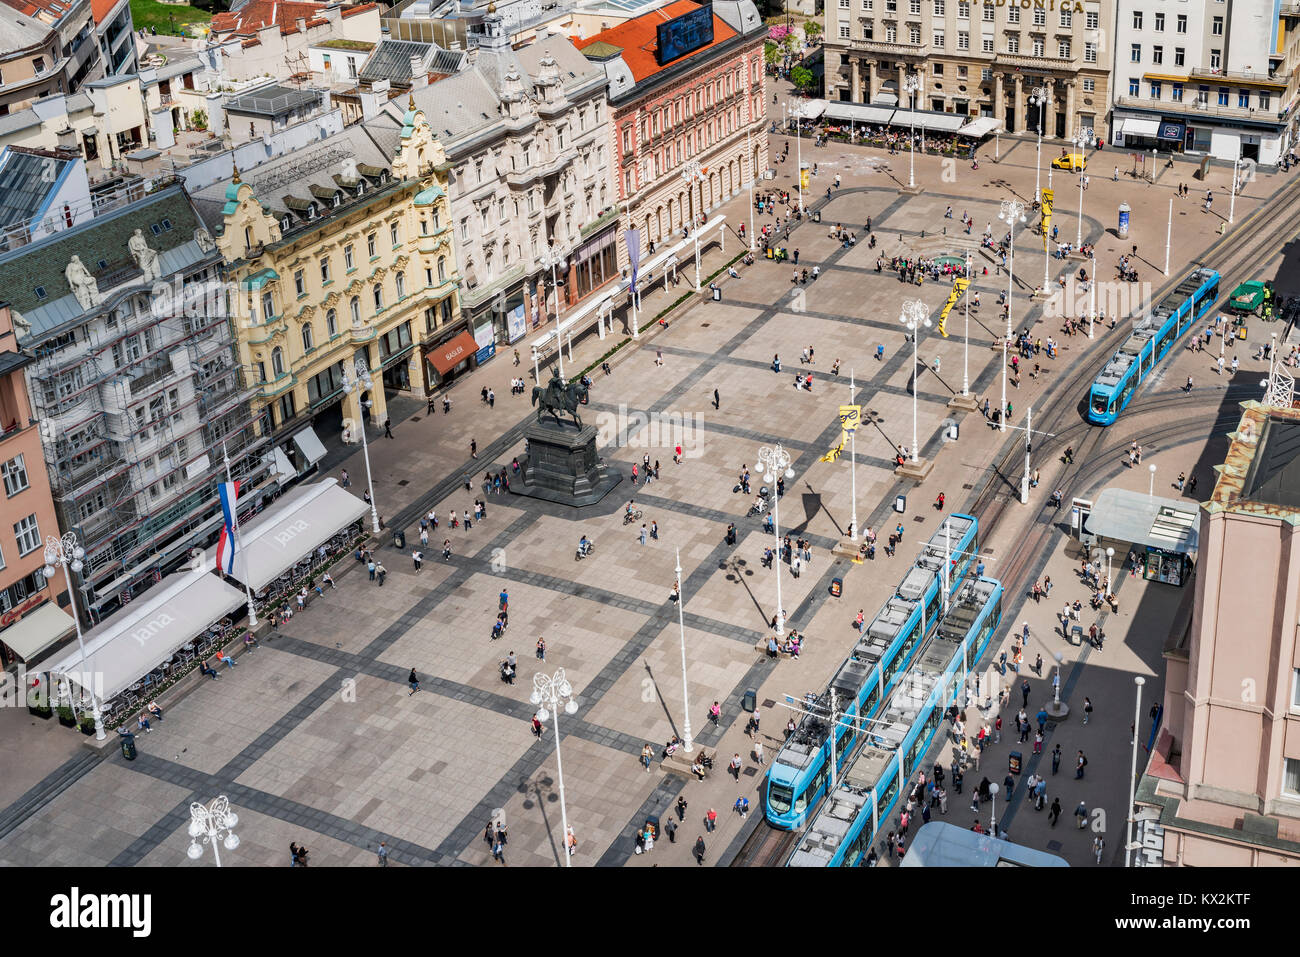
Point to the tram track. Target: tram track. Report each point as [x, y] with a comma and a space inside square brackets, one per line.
[1233, 256]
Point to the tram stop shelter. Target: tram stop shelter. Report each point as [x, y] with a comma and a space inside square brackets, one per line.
[290, 530]
[939, 844]
[1165, 531]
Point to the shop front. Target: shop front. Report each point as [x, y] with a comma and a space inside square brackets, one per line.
[451, 356]
[1163, 565]
[395, 348]
[597, 261]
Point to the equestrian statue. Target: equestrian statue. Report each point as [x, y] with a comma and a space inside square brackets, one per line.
[559, 397]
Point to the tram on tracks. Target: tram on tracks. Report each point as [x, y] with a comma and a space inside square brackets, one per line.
[1154, 334]
[873, 782]
[797, 778]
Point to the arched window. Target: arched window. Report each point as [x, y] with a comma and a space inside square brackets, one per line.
[378, 292]
[277, 361]
[400, 280]
[308, 338]
[355, 305]
[442, 269]
[331, 324]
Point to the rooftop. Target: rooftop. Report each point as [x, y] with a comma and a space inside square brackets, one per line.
[638, 39]
[256, 14]
[27, 179]
[273, 100]
[340, 43]
[1261, 474]
[391, 60]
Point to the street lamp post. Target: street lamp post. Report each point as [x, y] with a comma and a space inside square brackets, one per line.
[553, 259]
[1169, 234]
[1038, 98]
[692, 173]
[552, 689]
[912, 84]
[687, 745]
[1082, 140]
[65, 551]
[1092, 293]
[208, 822]
[354, 383]
[853, 464]
[1151, 489]
[965, 353]
[753, 175]
[1138, 682]
[915, 315]
[1110, 553]
[993, 809]
[775, 461]
[1232, 203]
[1012, 211]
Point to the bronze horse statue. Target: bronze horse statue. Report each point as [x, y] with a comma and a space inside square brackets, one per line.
[559, 397]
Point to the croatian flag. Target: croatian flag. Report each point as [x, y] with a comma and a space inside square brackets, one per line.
[229, 492]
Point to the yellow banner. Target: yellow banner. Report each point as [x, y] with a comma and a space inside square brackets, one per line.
[1047, 214]
[834, 454]
[803, 178]
[850, 416]
[958, 287]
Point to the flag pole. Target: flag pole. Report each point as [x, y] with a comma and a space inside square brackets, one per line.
[239, 542]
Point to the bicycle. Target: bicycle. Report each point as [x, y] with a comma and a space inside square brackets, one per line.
[632, 516]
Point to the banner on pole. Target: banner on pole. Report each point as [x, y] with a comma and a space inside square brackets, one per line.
[958, 287]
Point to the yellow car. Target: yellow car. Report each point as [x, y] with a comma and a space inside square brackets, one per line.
[1072, 161]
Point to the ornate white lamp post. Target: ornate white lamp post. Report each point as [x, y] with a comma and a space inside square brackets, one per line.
[1138, 682]
[360, 379]
[912, 85]
[687, 744]
[207, 825]
[692, 173]
[66, 552]
[1082, 140]
[775, 462]
[553, 260]
[552, 690]
[1038, 98]
[915, 315]
[1012, 212]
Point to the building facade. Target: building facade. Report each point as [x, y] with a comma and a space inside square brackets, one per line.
[1206, 76]
[1223, 782]
[976, 58]
[34, 64]
[134, 384]
[706, 107]
[336, 253]
[115, 33]
[26, 513]
[526, 135]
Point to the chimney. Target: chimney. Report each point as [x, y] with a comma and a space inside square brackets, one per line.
[301, 24]
[67, 138]
[418, 71]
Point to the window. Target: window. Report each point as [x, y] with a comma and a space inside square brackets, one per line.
[442, 269]
[961, 71]
[938, 69]
[891, 6]
[1176, 92]
[1216, 59]
[914, 35]
[400, 281]
[1090, 20]
[1134, 87]
[1089, 52]
[1013, 44]
[963, 10]
[1137, 19]
[914, 7]
[938, 41]
[1067, 19]
[1040, 17]
[1291, 776]
[1179, 56]
[1157, 54]
[963, 40]
[325, 269]
[986, 44]
[15, 475]
[394, 234]
[308, 340]
[28, 535]
[1223, 96]
[1265, 100]
[348, 262]
[299, 283]
[1089, 85]
[355, 308]
[1013, 14]
[1180, 24]
[1063, 49]
[1135, 53]
[370, 245]
[268, 308]
[377, 293]
[1243, 99]
[277, 362]
[938, 8]
[1216, 26]
[844, 4]
[331, 324]
[1155, 89]
[1159, 25]
[1037, 46]
[891, 33]
[478, 171]
[844, 31]
[1295, 688]
[986, 14]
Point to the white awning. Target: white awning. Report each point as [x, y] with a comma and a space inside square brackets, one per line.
[1137, 125]
[147, 632]
[886, 98]
[980, 126]
[811, 110]
[858, 112]
[304, 518]
[938, 122]
[310, 445]
[37, 630]
[281, 466]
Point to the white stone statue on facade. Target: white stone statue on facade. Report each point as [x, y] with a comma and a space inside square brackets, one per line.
[22, 328]
[204, 239]
[82, 284]
[145, 258]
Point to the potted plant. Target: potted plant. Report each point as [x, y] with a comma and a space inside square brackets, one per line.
[38, 704]
[199, 119]
[66, 717]
[87, 724]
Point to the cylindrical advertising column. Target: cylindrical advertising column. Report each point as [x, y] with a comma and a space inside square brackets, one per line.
[1124, 210]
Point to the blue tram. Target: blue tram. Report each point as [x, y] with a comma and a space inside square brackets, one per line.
[798, 775]
[1153, 336]
[872, 784]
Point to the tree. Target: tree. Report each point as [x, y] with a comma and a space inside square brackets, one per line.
[771, 54]
[802, 78]
[812, 29]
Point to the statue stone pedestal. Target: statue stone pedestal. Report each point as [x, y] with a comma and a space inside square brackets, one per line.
[562, 466]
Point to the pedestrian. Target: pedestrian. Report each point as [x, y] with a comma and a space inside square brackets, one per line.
[229, 661]
[1056, 759]
[414, 681]
[1080, 763]
[736, 764]
[1054, 812]
[388, 428]
[1038, 742]
[699, 849]
[1024, 691]
[383, 854]
[1098, 845]
[1087, 709]
[643, 534]
[647, 756]
[380, 573]
[681, 808]
[346, 482]
[654, 531]
[417, 559]
[758, 753]
[499, 852]
[1081, 815]
[717, 404]
[670, 828]
[537, 726]
[473, 448]
[710, 820]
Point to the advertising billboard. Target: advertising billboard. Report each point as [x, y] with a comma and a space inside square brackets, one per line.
[681, 35]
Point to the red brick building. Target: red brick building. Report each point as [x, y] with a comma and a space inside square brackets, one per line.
[706, 105]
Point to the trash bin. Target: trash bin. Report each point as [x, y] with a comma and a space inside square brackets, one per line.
[749, 701]
[128, 747]
[717, 294]
[1013, 762]
[1076, 635]
[900, 503]
[399, 540]
[837, 587]
[953, 431]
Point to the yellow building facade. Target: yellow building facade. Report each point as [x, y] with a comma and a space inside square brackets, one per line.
[336, 253]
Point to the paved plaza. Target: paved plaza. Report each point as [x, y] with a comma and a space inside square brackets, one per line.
[314, 736]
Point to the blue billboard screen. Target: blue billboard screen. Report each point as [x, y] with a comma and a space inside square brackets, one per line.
[680, 35]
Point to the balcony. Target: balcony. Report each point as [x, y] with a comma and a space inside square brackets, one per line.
[1228, 77]
[889, 49]
[1031, 62]
[150, 373]
[1192, 110]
